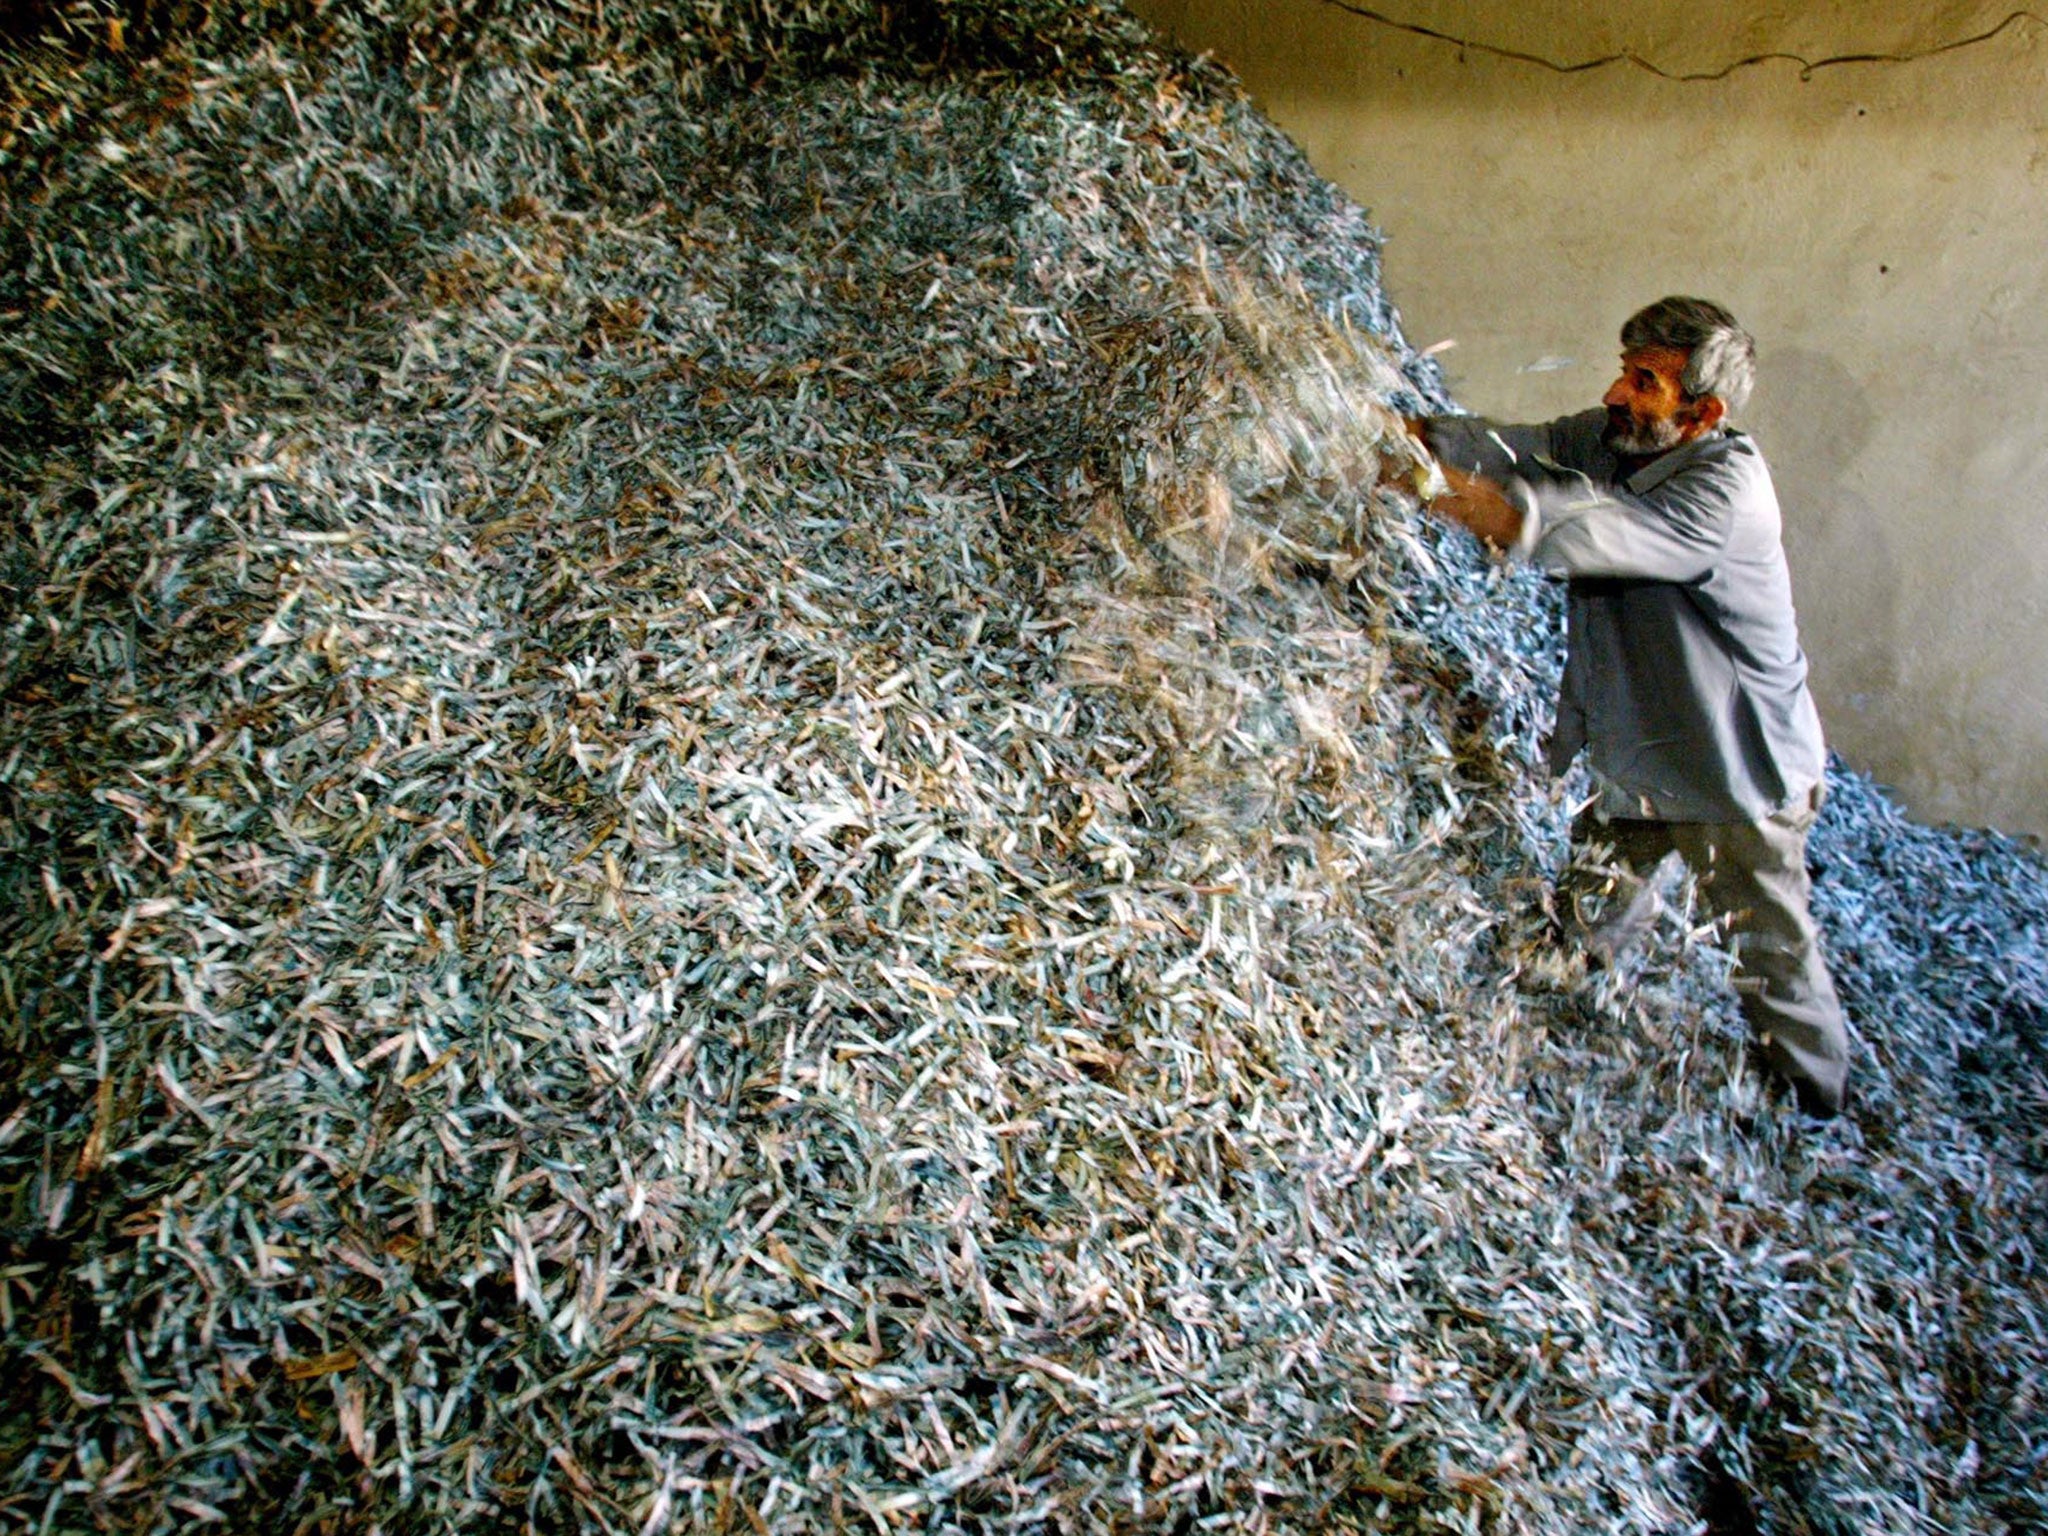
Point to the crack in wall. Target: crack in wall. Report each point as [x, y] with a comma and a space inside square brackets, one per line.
[1807, 67]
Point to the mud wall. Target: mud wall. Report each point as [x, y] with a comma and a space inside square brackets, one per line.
[1876, 221]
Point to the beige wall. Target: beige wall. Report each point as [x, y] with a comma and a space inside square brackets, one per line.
[1880, 227]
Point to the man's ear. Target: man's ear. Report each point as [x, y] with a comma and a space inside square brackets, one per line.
[1703, 415]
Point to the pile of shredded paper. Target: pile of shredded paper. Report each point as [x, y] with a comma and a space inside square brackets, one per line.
[737, 794]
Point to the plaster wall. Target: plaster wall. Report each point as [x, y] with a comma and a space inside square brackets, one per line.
[1878, 226]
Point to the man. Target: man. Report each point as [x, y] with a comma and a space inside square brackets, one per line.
[1684, 680]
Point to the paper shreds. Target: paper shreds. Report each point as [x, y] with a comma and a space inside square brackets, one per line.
[737, 794]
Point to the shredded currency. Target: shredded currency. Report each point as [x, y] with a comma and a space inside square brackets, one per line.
[738, 792]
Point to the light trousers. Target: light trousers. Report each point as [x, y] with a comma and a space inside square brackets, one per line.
[1754, 875]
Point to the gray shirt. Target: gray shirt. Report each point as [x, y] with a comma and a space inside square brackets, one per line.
[1684, 681]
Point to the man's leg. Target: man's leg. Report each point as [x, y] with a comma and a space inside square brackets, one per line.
[1755, 874]
[1607, 895]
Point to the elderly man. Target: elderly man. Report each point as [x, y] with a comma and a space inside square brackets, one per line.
[1684, 680]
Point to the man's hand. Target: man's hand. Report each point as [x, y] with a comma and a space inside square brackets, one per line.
[1481, 508]
[1411, 466]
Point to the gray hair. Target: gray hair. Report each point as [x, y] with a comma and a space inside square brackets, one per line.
[1720, 355]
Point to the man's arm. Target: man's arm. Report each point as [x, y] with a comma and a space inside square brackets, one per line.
[1483, 509]
[1518, 497]
[1675, 531]
[1481, 447]
[1478, 460]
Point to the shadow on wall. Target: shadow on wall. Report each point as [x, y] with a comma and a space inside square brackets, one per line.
[1815, 422]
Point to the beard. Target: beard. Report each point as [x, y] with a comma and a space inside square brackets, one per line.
[1634, 437]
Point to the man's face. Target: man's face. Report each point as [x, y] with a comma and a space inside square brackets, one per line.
[1647, 411]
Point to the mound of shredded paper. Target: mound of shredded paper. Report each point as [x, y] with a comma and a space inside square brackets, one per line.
[728, 802]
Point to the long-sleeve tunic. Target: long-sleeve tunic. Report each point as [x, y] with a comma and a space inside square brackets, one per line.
[1684, 679]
